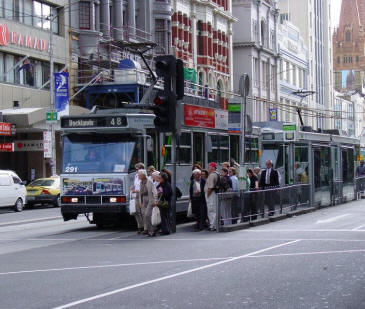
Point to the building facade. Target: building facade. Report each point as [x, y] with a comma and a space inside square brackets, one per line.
[25, 75]
[293, 73]
[255, 52]
[314, 22]
[202, 37]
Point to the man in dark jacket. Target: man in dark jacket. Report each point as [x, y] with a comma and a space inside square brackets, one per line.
[197, 199]
[269, 179]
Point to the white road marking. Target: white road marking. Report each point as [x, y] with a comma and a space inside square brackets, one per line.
[176, 261]
[358, 228]
[333, 219]
[85, 300]
[298, 230]
[30, 220]
[308, 253]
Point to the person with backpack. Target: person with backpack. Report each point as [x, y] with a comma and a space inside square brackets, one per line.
[211, 187]
[226, 204]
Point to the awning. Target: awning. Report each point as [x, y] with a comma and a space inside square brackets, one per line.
[24, 117]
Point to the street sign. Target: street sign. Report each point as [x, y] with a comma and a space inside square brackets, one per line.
[7, 147]
[289, 127]
[51, 117]
[47, 144]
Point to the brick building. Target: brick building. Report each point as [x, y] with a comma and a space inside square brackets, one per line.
[202, 37]
[349, 48]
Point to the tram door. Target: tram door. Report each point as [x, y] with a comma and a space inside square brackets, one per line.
[348, 170]
[323, 175]
[198, 148]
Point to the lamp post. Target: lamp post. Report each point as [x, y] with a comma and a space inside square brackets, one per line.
[302, 94]
[244, 89]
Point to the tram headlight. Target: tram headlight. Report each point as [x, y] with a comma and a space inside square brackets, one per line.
[74, 200]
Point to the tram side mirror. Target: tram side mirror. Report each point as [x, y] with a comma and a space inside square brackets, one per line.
[149, 143]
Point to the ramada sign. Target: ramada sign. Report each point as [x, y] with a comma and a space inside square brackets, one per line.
[20, 39]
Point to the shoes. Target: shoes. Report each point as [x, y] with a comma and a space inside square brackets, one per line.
[145, 232]
[140, 231]
[151, 234]
[212, 229]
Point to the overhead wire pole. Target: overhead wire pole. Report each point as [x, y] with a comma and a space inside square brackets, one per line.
[52, 101]
[244, 88]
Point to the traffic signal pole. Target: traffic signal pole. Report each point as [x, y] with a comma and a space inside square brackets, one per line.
[173, 182]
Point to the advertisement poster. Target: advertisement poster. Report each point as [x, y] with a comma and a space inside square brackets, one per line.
[198, 116]
[93, 186]
[273, 114]
[61, 93]
[47, 144]
[5, 128]
[221, 119]
[7, 147]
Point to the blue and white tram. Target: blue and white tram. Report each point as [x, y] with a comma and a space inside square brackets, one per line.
[325, 161]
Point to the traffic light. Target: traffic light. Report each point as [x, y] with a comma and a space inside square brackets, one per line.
[172, 72]
[165, 111]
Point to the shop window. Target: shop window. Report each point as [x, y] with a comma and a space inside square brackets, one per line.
[84, 15]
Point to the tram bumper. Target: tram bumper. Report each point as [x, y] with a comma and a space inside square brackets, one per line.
[70, 211]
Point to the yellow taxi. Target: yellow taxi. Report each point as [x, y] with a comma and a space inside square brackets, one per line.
[44, 191]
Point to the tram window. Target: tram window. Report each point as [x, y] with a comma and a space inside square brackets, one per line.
[251, 150]
[301, 164]
[272, 152]
[183, 149]
[220, 149]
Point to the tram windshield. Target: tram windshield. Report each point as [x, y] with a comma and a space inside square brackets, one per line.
[272, 152]
[101, 153]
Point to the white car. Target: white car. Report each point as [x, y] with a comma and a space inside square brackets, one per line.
[12, 190]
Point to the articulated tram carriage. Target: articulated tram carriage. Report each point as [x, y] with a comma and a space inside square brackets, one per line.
[325, 161]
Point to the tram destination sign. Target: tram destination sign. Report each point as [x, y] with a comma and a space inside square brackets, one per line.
[94, 122]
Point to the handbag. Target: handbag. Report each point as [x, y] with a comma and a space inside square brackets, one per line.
[156, 216]
[132, 206]
[190, 211]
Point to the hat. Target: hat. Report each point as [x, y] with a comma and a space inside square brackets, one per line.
[213, 164]
[198, 171]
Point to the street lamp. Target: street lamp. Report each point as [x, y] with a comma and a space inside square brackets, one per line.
[302, 94]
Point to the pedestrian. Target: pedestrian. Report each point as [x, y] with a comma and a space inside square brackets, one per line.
[197, 199]
[269, 180]
[135, 194]
[164, 193]
[226, 204]
[360, 170]
[169, 174]
[236, 205]
[254, 185]
[205, 174]
[148, 195]
[232, 174]
[150, 170]
[155, 178]
[226, 165]
[211, 195]
[260, 196]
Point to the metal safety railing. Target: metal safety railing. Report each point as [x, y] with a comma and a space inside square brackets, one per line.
[360, 187]
[237, 207]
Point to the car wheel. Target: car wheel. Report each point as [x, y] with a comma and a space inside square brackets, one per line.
[58, 201]
[18, 205]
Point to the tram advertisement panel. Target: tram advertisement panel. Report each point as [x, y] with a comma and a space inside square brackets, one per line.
[198, 116]
[88, 185]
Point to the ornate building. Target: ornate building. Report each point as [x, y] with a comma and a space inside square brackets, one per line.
[349, 48]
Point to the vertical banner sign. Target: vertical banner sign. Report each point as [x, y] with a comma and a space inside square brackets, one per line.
[273, 114]
[61, 93]
[47, 144]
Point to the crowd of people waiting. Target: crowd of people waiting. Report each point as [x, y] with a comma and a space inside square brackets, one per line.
[152, 188]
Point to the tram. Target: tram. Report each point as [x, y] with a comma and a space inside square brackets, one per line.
[101, 149]
[325, 161]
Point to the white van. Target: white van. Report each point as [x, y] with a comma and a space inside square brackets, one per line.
[12, 190]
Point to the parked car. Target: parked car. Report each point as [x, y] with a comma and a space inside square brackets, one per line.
[12, 190]
[44, 191]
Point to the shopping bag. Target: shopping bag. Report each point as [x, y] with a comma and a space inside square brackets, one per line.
[156, 216]
[132, 206]
[190, 211]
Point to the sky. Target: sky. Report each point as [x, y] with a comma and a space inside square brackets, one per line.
[336, 10]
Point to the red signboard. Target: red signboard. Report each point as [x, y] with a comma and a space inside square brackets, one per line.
[5, 128]
[9, 147]
[198, 116]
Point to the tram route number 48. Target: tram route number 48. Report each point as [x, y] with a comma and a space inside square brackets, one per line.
[117, 121]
